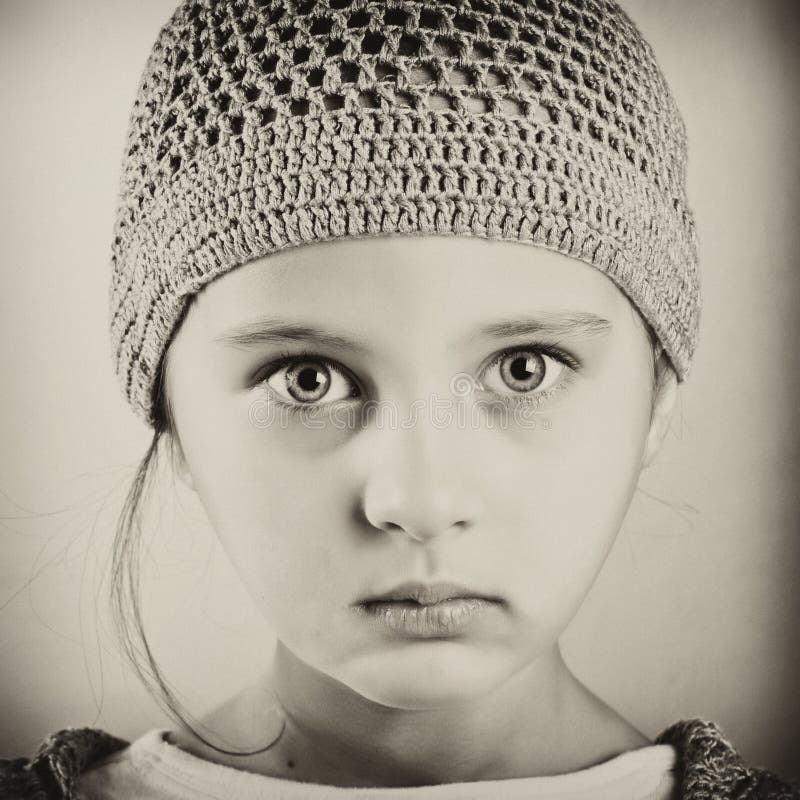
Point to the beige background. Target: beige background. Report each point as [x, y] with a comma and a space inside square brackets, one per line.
[696, 613]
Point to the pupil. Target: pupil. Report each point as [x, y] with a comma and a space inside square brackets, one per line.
[308, 379]
[519, 369]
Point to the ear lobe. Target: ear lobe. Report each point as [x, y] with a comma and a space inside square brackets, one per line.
[665, 394]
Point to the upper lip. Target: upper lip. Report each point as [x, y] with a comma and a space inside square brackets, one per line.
[427, 593]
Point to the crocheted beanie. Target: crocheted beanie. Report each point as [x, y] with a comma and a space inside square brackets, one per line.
[265, 124]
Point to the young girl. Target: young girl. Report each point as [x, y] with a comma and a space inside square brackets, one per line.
[405, 291]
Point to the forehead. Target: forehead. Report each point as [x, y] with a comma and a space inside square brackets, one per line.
[435, 282]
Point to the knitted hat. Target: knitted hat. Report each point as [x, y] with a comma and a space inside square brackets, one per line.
[264, 124]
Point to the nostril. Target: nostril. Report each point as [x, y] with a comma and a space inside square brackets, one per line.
[393, 526]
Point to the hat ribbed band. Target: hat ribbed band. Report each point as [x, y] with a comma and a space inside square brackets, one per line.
[546, 178]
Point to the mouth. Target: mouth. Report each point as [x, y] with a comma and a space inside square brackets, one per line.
[429, 610]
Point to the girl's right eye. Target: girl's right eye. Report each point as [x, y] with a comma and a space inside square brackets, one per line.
[308, 380]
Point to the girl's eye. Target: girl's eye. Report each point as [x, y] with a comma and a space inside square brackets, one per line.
[524, 370]
[309, 380]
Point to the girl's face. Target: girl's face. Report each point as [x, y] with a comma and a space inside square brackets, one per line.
[465, 411]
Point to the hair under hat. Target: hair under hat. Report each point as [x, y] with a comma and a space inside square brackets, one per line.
[264, 124]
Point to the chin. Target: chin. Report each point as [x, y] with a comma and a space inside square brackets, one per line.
[426, 675]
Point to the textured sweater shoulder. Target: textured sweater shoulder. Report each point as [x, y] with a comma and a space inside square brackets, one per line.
[707, 766]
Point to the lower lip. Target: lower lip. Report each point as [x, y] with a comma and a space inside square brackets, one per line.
[428, 621]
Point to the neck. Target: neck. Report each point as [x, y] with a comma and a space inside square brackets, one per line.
[542, 721]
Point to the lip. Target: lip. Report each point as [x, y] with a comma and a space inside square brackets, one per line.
[428, 610]
[428, 593]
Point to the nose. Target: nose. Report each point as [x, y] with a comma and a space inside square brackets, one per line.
[419, 485]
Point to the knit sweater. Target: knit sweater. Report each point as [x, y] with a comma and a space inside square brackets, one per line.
[707, 766]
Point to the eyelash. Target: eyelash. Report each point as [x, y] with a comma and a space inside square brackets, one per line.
[552, 350]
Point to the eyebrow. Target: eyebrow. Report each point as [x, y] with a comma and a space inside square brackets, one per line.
[267, 330]
[271, 330]
[573, 323]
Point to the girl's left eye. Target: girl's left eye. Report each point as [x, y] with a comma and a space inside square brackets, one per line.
[527, 371]
[309, 380]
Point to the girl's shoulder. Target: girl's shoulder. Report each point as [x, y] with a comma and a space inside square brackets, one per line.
[707, 766]
[51, 774]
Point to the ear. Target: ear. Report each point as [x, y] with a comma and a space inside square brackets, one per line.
[664, 396]
[180, 467]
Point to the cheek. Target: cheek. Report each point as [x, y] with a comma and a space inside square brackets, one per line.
[571, 489]
[274, 512]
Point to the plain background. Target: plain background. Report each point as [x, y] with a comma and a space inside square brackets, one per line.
[696, 612]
